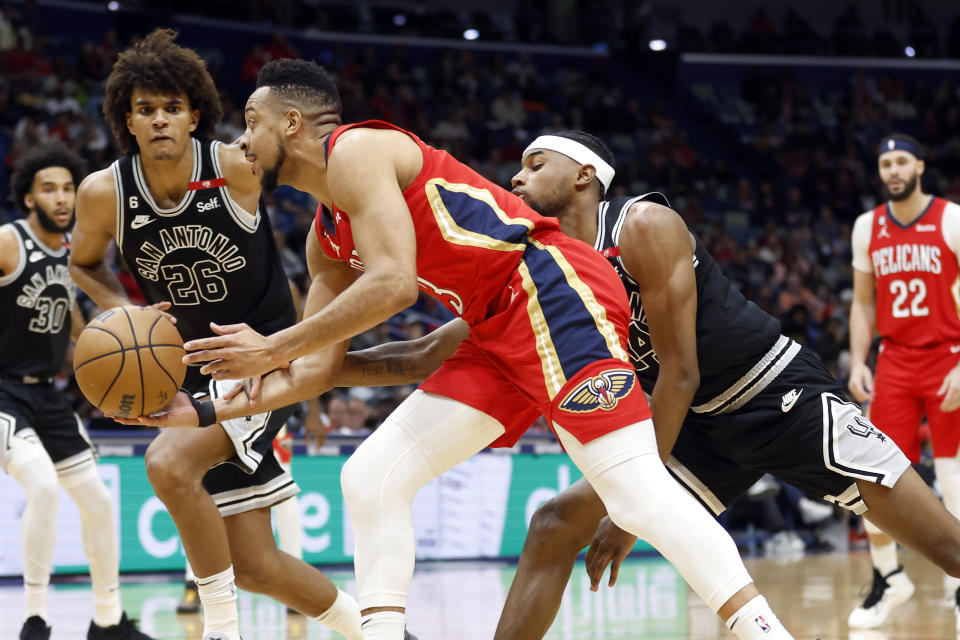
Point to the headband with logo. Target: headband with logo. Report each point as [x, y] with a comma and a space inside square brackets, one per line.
[895, 144]
[577, 152]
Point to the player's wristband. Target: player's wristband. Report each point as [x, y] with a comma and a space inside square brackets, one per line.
[206, 412]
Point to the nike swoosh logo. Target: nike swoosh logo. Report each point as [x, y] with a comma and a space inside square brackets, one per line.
[787, 404]
[136, 224]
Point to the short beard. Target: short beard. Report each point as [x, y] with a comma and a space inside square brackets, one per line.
[908, 188]
[270, 177]
[49, 224]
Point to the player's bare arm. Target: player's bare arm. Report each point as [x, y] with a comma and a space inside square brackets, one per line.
[863, 325]
[305, 378]
[9, 251]
[96, 212]
[363, 177]
[243, 185]
[656, 249]
[405, 362]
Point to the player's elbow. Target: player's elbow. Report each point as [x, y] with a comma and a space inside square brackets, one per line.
[400, 289]
[685, 377]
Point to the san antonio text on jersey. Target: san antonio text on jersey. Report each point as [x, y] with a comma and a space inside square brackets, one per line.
[739, 346]
[213, 261]
[36, 299]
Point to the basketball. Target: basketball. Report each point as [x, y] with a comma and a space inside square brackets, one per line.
[128, 361]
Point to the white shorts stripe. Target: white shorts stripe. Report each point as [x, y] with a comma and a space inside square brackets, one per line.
[692, 484]
[249, 498]
[854, 447]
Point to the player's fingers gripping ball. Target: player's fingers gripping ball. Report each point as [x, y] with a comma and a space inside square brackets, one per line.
[128, 361]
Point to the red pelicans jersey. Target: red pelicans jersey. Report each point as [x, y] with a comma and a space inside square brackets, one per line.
[471, 233]
[915, 266]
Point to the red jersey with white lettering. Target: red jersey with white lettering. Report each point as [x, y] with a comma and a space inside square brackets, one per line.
[471, 233]
[916, 274]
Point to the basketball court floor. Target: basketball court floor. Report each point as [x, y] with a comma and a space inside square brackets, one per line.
[462, 601]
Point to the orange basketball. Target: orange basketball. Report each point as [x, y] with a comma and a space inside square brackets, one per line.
[128, 361]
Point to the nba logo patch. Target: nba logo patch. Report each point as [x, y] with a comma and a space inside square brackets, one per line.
[602, 391]
[766, 628]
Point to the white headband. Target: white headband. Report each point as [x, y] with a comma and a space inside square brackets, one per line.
[578, 153]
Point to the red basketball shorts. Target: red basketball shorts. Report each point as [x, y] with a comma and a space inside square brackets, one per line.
[553, 344]
[905, 390]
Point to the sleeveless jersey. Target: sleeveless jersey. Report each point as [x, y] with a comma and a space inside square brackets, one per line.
[471, 233]
[916, 272]
[733, 334]
[36, 299]
[213, 261]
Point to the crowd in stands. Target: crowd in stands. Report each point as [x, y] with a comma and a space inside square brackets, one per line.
[774, 205]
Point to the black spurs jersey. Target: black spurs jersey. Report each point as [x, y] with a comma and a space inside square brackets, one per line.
[739, 345]
[213, 261]
[36, 299]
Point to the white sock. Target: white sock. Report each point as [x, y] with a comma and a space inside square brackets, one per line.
[188, 573]
[218, 593]
[343, 616]
[756, 621]
[87, 490]
[33, 470]
[885, 558]
[383, 625]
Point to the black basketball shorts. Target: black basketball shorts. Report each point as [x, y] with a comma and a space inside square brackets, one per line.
[41, 413]
[799, 429]
[253, 478]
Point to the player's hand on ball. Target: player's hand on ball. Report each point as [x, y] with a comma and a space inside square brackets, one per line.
[861, 383]
[178, 413]
[162, 308]
[610, 546]
[950, 390]
[236, 352]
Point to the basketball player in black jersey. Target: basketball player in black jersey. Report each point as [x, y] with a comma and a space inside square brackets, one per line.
[185, 214]
[42, 441]
[749, 400]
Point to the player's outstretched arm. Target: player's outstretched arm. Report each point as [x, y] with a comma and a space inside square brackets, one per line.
[304, 379]
[96, 212]
[363, 182]
[657, 251]
[406, 362]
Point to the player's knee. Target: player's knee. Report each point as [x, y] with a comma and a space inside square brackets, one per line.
[360, 485]
[256, 573]
[168, 470]
[44, 492]
[556, 525]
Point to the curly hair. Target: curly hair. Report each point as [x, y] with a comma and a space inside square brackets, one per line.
[55, 154]
[156, 63]
[301, 82]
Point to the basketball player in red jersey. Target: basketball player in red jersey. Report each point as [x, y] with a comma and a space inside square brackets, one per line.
[905, 288]
[548, 324]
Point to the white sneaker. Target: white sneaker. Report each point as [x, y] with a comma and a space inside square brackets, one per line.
[784, 543]
[886, 593]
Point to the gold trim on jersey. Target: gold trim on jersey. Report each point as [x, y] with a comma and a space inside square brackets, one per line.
[454, 233]
[596, 310]
[549, 360]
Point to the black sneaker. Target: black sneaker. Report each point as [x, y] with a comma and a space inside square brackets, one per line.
[190, 603]
[407, 635]
[126, 629]
[35, 628]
